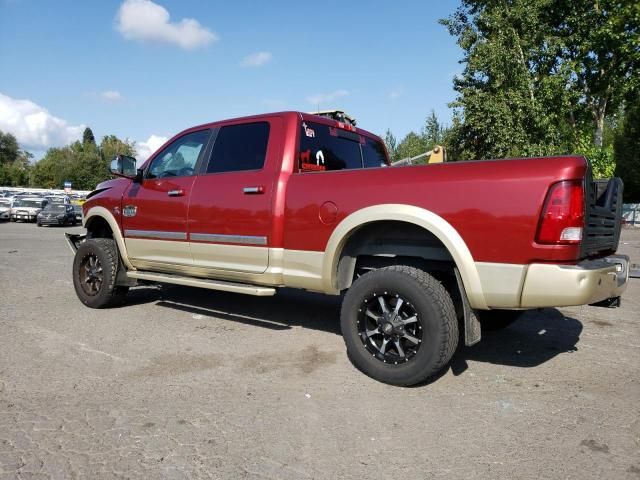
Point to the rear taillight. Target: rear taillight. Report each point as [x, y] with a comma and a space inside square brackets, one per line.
[562, 217]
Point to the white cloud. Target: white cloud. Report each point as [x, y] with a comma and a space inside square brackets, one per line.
[395, 93]
[257, 59]
[320, 98]
[33, 126]
[111, 96]
[146, 20]
[146, 149]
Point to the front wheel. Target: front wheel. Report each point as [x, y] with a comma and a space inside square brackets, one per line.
[95, 267]
[399, 325]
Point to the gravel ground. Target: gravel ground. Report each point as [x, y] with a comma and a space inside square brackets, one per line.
[187, 383]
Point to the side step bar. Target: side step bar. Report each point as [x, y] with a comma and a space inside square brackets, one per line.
[255, 290]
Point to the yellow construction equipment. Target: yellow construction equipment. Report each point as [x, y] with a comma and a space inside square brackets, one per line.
[437, 155]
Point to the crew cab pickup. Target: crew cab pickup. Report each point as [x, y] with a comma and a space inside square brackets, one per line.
[422, 254]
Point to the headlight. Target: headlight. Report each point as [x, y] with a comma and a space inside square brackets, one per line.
[60, 217]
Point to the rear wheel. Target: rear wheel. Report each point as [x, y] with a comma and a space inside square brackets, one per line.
[95, 267]
[492, 320]
[399, 325]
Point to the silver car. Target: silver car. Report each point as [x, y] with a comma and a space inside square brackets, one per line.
[5, 209]
[26, 209]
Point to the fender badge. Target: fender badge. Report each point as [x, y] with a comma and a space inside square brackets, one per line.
[130, 211]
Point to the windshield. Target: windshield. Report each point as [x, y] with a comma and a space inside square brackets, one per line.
[57, 207]
[28, 203]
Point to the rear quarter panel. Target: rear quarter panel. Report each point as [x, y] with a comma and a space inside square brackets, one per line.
[494, 205]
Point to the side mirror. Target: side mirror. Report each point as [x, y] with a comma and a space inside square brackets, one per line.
[124, 166]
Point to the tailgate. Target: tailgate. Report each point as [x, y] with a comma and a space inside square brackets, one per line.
[603, 217]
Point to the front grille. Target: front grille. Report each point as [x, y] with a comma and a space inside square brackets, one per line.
[603, 217]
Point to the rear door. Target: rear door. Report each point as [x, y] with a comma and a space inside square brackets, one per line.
[154, 212]
[230, 212]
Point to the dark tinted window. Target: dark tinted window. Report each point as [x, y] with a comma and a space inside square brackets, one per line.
[240, 147]
[373, 154]
[327, 148]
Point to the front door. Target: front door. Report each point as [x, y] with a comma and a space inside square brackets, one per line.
[154, 212]
[230, 212]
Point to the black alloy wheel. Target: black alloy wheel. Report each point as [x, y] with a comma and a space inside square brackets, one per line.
[399, 325]
[91, 275]
[95, 269]
[390, 328]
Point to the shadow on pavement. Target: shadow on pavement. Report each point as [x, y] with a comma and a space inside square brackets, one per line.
[287, 309]
[535, 338]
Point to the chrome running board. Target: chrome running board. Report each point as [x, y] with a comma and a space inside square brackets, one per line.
[256, 290]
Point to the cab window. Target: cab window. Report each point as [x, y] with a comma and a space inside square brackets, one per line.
[326, 148]
[239, 147]
[373, 154]
[180, 157]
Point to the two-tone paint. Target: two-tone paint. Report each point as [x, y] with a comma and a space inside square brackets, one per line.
[282, 227]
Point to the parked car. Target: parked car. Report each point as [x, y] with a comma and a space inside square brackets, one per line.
[57, 214]
[77, 209]
[26, 209]
[420, 252]
[5, 209]
[60, 199]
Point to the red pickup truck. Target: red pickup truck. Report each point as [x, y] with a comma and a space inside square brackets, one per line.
[422, 254]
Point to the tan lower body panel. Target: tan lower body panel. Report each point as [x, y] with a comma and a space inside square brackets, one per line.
[165, 251]
[291, 268]
[501, 283]
[240, 258]
[569, 285]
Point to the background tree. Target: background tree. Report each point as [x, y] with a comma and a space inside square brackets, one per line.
[15, 164]
[627, 150]
[87, 136]
[503, 92]
[411, 145]
[600, 46]
[391, 144]
[84, 164]
[433, 131]
[9, 149]
[112, 146]
[543, 77]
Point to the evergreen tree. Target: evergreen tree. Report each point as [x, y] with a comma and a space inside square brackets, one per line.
[87, 137]
[627, 151]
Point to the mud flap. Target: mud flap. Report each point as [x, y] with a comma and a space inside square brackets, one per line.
[74, 240]
[472, 330]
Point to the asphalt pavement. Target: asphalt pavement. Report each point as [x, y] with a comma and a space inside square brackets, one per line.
[187, 383]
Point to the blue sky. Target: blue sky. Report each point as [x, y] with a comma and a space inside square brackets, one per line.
[122, 67]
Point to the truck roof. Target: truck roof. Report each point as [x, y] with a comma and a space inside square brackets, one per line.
[302, 115]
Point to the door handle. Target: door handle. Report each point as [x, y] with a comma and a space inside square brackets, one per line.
[175, 193]
[253, 190]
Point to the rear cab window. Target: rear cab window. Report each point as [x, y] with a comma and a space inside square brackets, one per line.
[239, 148]
[327, 148]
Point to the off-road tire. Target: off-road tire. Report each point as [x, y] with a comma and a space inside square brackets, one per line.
[432, 305]
[38, 224]
[493, 320]
[106, 253]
